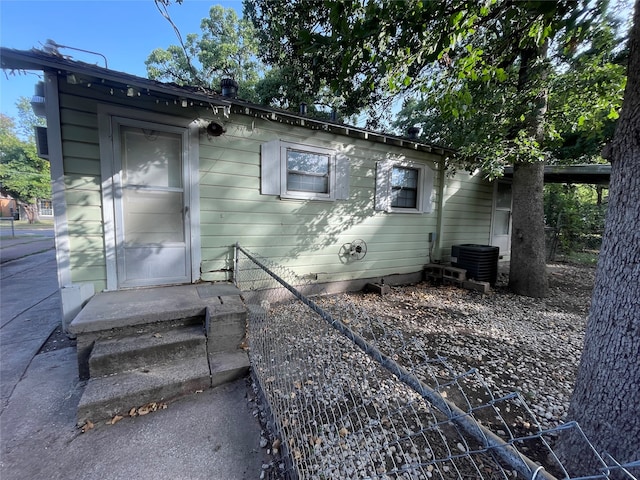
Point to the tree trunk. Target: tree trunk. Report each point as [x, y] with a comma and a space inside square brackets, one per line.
[528, 268]
[31, 212]
[606, 399]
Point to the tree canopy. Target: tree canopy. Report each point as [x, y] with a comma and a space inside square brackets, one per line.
[227, 48]
[484, 71]
[585, 88]
[452, 57]
[23, 175]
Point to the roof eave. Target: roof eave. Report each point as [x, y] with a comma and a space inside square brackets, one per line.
[18, 60]
[590, 174]
[37, 60]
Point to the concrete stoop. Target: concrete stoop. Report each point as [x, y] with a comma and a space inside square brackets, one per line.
[156, 345]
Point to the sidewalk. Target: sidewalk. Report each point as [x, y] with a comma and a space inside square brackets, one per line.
[212, 435]
[27, 241]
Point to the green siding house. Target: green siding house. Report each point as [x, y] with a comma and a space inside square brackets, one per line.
[153, 184]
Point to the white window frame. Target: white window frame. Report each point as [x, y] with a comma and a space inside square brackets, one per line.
[284, 172]
[274, 172]
[425, 193]
[45, 211]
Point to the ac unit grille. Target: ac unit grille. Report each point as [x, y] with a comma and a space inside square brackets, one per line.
[480, 261]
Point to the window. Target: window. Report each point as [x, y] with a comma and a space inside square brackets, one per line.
[307, 172]
[45, 208]
[295, 171]
[403, 187]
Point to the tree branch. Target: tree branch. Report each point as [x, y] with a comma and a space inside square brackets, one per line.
[161, 5]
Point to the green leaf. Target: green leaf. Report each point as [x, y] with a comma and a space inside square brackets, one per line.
[455, 19]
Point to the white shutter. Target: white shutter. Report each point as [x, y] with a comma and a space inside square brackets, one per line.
[383, 185]
[427, 190]
[342, 177]
[270, 168]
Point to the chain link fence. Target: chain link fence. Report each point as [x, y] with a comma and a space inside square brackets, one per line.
[575, 224]
[575, 236]
[350, 397]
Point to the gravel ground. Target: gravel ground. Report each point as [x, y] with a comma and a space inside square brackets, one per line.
[332, 401]
[57, 341]
[517, 343]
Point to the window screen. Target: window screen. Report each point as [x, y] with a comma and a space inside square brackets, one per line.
[404, 187]
[307, 172]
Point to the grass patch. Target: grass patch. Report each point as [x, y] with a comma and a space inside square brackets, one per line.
[25, 225]
[588, 257]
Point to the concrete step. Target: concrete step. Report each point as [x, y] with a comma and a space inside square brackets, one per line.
[228, 366]
[105, 397]
[117, 355]
[155, 345]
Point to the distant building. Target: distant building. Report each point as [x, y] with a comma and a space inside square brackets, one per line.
[10, 208]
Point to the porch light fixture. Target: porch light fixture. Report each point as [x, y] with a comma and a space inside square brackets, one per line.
[214, 129]
[38, 100]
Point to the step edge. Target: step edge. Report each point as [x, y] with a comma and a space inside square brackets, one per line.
[100, 366]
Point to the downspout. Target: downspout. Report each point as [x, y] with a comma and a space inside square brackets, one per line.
[437, 246]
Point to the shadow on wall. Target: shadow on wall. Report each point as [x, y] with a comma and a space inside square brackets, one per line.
[334, 225]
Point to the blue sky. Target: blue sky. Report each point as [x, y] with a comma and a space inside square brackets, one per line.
[125, 31]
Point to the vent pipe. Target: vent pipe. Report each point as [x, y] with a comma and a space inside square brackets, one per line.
[229, 87]
[413, 132]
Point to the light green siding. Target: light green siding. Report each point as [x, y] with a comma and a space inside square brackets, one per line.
[466, 212]
[303, 235]
[81, 152]
[82, 177]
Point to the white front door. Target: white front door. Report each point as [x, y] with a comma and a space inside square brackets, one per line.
[151, 203]
[501, 221]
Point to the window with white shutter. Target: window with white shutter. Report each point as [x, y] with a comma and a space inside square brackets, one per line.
[306, 172]
[403, 187]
